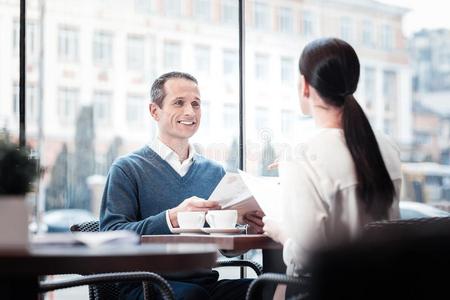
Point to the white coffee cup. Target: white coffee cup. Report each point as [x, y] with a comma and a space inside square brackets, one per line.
[222, 218]
[191, 219]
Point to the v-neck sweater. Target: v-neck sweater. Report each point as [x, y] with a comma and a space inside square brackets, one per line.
[141, 187]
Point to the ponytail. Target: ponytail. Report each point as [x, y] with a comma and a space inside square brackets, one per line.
[375, 187]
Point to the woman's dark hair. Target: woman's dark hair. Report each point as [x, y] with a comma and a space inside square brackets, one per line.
[331, 66]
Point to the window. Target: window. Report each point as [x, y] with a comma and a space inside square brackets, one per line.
[390, 90]
[31, 101]
[287, 121]
[172, 8]
[172, 56]
[346, 29]
[261, 120]
[103, 48]
[68, 44]
[369, 87]
[229, 12]
[261, 67]
[67, 104]
[230, 113]
[387, 37]
[367, 34]
[261, 15]
[202, 10]
[230, 62]
[202, 58]
[287, 70]
[285, 20]
[136, 110]
[135, 52]
[143, 6]
[32, 38]
[102, 104]
[308, 24]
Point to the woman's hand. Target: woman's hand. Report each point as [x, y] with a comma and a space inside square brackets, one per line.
[272, 228]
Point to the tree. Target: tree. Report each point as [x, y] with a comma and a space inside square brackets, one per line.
[84, 158]
[57, 190]
[113, 152]
[268, 157]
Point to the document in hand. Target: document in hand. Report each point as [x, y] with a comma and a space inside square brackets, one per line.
[245, 193]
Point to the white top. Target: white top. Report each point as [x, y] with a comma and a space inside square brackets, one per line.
[319, 193]
[172, 158]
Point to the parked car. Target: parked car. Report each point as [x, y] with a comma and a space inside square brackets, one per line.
[60, 220]
[410, 209]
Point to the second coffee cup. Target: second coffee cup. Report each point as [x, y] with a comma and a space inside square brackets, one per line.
[191, 219]
[225, 219]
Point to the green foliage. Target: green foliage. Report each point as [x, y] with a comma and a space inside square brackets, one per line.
[17, 169]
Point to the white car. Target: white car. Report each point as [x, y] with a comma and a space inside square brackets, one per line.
[410, 209]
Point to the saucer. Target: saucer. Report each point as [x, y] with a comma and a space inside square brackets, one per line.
[187, 230]
[222, 230]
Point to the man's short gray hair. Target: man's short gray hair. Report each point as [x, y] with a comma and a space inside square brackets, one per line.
[157, 92]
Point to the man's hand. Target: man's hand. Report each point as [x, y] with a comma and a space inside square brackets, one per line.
[272, 228]
[191, 204]
[254, 221]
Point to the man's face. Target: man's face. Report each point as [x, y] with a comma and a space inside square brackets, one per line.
[179, 116]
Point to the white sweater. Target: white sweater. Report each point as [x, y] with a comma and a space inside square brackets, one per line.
[319, 193]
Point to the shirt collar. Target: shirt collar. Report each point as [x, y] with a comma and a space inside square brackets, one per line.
[166, 152]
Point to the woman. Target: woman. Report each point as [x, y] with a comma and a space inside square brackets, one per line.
[344, 176]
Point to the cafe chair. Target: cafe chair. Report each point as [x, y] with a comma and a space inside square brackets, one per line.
[104, 285]
[397, 259]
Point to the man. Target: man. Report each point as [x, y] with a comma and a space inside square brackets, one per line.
[146, 189]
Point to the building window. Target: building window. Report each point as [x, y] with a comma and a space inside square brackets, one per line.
[229, 12]
[205, 122]
[346, 29]
[285, 20]
[172, 8]
[230, 63]
[135, 52]
[172, 56]
[32, 38]
[261, 15]
[68, 44]
[136, 110]
[389, 90]
[202, 10]
[202, 59]
[287, 70]
[369, 87]
[367, 34]
[261, 119]
[387, 37]
[261, 66]
[308, 24]
[31, 102]
[102, 104]
[143, 6]
[103, 48]
[67, 104]
[287, 121]
[230, 116]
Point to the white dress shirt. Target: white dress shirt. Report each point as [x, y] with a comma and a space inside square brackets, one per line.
[320, 202]
[172, 158]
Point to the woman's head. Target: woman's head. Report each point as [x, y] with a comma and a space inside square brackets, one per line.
[331, 67]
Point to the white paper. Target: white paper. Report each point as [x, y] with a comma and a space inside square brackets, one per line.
[245, 193]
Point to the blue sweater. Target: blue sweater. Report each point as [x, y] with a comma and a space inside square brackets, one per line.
[141, 186]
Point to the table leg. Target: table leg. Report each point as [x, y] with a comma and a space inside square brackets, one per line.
[272, 262]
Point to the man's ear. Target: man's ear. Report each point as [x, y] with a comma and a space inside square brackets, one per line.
[154, 111]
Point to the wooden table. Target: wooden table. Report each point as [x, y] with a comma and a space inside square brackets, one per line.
[238, 242]
[20, 271]
[271, 251]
